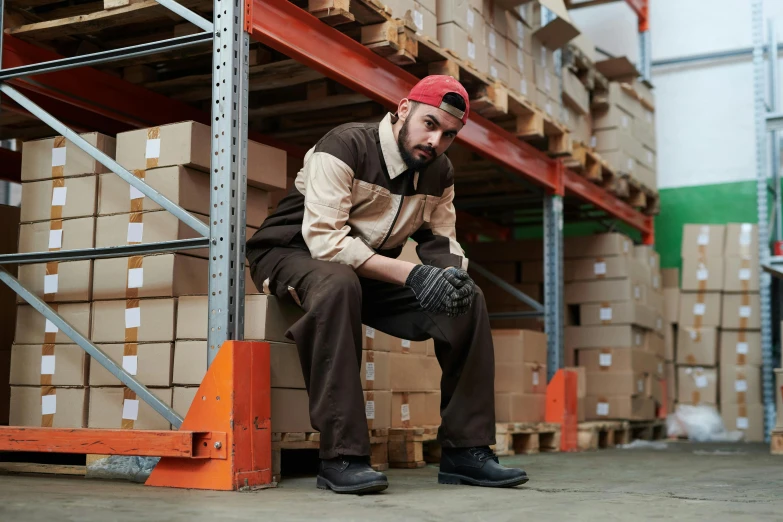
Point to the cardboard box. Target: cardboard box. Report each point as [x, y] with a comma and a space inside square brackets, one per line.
[670, 338]
[629, 312]
[603, 360]
[599, 268]
[425, 21]
[42, 159]
[39, 237]
[671, 306]
[532, 272]
[155, 227]
[560, 30]
[71, 283]
[741, 312]
[290, 411]
[747, 418]
[400, 9]
[432, 403]
[621, 336]
[656, 345]
[616, 383]
[740, 384]
[671, 277]
[382, 342]
[496, 44]
[575, 94]
[525, 83]
[578, 124]
[163, 275]
[153, 319]
[377, 409]
[619, 407]
[621, 161]
[110, 408]
[702, 274]
[647, 255]
[518, 407]
[499, 300]
[62, 365]
[412, 373]
[151, 365]
[32, 327]
[519, 346]
[414, 409]
[740, 275]
[456, 12]
[517, 31]
[469, 48]
[581, 384]
[182, 398]
[504, 251]
[271, 318]
[66, 405]
[612, 290]
[520, 378]
[498, 71]
[696, 385]
[376, 370]
[742, 240]
[700, 309]
[598, 245]
[189, 144]
[703, 241]
[613, 117]
[740, 348]
[697, 346]
[42, 201]
[546, 81]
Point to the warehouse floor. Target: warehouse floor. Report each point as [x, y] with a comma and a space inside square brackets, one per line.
[682, 482]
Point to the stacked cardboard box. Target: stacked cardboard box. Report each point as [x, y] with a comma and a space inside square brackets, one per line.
[520, 375]
[616, 325]
[670, 279]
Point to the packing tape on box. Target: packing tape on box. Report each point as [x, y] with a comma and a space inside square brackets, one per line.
[51, 274]
[405, 411]
[50, 329]
[742, 348]
[58, 156]
[702, 274]
[702, 240]
[369, 409]
[744, 311]
[742, 417]
[152, 147]
[130, 409]
[136, 197]
[369, 370]
[47, 364]
[48, 405]
[699, 309]
[406, 345]
[745, 273]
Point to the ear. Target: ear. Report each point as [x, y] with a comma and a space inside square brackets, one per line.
[404, 109]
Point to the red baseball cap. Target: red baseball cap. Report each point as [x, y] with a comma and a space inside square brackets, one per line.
[432, 89]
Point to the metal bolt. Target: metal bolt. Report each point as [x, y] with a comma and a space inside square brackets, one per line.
[218, 445]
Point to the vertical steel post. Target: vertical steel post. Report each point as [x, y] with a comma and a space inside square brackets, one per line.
[553, 282]
[774, 107]
[763, 216]
[645, 55]
[230, 56]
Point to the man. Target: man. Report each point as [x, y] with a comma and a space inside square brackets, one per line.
[332, 245]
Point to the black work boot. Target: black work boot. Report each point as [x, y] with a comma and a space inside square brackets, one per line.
[350, 474]
[477, 467]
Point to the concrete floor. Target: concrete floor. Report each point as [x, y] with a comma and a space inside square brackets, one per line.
[713, 482]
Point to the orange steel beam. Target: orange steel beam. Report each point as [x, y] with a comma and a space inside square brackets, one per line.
[143, 443]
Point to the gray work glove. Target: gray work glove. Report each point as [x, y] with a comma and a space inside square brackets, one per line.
[437, 292]
[462, 298]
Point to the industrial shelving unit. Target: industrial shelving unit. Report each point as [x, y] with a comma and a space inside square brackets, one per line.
[83, 95]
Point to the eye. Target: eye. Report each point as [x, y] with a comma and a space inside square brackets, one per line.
[428, 123]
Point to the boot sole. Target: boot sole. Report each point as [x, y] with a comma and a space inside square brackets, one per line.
[370, 487]
[456, 480]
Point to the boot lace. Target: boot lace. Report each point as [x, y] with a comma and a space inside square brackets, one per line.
[483, 453]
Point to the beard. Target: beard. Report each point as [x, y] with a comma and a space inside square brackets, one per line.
[407, 151]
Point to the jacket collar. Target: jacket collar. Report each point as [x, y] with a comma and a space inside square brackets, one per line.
[391, 151]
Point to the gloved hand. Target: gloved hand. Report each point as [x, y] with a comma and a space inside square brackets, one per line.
[462, 297]
[431, 287]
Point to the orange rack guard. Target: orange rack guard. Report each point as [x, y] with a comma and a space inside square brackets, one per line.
[561, 407]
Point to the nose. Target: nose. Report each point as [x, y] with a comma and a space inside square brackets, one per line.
[434, 140]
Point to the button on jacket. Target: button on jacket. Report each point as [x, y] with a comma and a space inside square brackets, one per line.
[355, 197]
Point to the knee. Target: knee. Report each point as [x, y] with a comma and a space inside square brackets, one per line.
[340, 283]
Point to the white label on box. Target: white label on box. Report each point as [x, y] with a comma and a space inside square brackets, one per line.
[405, 412]
[520, 60]
[599, 268]
[370, 333]
[135, 277]
[51, 283]
[624, 121]
[493, 71]
[745, 231]
[130, 363]
[741, 385]
[48, 403]
[471, 50]
[694, 334]
[653, 262]
[742, 423]
[744, 311]
[543, 57]
[520, 33]
[130, 409]
[660, 368]
[55, 239]
[649, 157]
[135, 193]
[638, 339]
[640, 385]
[702, 273]
[606, 313]
[626, 246]
[637, 292]
[51, 327]
[535, 378]
[405, 343]
[58, 196]
[135, 232]
[547, 82]
[742, 348]
[704, 236]
[471, 18]
[369, 371]
[153, 149]
[602, 409]
[605, 359]
[699, 309]
[656, 284]
[47, 364]
[418, 19]
[549, 108]
[629, 165]
[492, 40]
[701, 381]
[744, 274]
[58, 157]
[132, 317]
[369, 410]
[523, 87]
[658, 323]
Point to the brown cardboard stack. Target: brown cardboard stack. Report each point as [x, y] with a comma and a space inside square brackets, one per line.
[616, 330]
[59, 196]
[520, 375]
[670, 279]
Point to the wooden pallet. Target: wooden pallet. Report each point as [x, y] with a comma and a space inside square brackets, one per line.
[413, 447]
[776, 442]
[43, 463]
[603, 434]
[379, 439]
[514, 438]
[648, 430]
[585, 161]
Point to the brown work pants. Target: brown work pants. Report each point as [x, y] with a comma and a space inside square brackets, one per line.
[329, 341]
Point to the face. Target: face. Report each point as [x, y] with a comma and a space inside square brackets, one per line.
[425, 134]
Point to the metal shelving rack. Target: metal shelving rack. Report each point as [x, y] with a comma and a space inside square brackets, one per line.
[290, 30]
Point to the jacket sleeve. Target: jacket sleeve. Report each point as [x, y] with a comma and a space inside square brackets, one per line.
[328, 184]
[437, 239]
